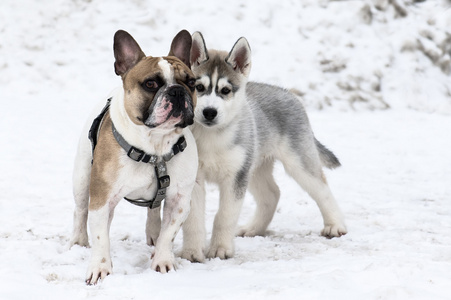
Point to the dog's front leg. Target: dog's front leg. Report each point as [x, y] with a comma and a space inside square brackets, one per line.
[230, 202]
[176, 209]
[99, 223]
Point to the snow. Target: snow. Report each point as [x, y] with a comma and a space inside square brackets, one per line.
[377, 88]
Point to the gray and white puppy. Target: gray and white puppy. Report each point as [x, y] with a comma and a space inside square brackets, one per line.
[241, 128]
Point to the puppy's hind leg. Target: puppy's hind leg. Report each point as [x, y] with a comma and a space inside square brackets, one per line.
[266, 193]
[311, 178]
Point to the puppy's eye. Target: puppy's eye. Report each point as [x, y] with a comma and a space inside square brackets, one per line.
[200, 87]
[192, 83]
[225, 91]
[150, 85]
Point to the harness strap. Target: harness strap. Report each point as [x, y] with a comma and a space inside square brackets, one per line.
[138, 155]
[95, 127]
[163, 181]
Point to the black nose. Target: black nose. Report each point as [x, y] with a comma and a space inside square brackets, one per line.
[176, 91]
[210, 113]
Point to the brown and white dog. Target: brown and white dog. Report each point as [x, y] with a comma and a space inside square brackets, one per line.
[150, 113]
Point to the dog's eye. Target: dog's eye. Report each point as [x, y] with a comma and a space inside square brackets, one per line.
[192, 83]
[225, 91]
[150, 85]
[200, 87]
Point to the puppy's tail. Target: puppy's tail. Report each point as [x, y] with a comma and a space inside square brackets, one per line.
[328, 159]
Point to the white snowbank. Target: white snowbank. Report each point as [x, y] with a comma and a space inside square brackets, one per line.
[347, 57]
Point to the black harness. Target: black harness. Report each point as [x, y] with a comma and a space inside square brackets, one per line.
[163, 179]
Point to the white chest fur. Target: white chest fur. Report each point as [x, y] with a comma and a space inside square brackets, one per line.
[219, 157]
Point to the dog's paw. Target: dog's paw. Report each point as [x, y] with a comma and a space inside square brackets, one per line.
[193, 255]
[331, 231]
[249, 231]
[152, 241]
[98, 271]
[81, 240]
[221, 252]
[152, 235]
[163, 263]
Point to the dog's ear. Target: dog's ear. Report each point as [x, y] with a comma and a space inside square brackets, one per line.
[199, 53]
[126, 52]
[180, 47]
[240, 57]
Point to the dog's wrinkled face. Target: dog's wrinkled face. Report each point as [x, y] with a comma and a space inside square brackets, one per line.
[159, 92]
[221, 79]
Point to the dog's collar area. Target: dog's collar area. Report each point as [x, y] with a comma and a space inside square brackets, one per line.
[163, 179]
[139, 155]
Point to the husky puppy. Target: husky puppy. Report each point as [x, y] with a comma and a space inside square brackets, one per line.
[241, 128]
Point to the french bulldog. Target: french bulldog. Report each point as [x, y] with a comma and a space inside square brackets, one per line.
[141, 149]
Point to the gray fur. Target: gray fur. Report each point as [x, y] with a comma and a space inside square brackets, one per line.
[327, 157]
[277, 109]
[254, 125]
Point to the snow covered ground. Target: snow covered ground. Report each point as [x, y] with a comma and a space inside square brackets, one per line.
[381, 79]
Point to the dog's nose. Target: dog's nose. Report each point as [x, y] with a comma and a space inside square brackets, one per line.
[176, 91]
[210, 113]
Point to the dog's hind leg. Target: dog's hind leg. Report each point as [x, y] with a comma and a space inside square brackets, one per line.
[266, 193]
[311, 178]
[81, 179]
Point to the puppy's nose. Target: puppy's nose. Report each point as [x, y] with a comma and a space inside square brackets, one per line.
[210, 113]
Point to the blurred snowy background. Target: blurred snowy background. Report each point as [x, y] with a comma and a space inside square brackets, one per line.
[375, 77]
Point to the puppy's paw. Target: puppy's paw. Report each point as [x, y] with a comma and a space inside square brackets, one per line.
[193, 255]
[152, 235]
[152, 240]
[98, 270]
[331, 231]
[81, 240]
[163, 263]
[250, 231]
[220, 251]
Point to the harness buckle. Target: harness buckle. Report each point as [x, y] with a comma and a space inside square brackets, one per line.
[135, 154]
[164, 182]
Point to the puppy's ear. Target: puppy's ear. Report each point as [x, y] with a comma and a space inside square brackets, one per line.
[199, 53]
[240, 57]
[180, 47]
[126, 52]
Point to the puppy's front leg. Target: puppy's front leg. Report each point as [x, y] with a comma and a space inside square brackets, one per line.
[230, 202]
[175, 211]
[153, 226]
[99, 223]
[194, 232]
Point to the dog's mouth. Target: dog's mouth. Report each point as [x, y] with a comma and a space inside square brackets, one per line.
[208, 123]
[174, 108]
[171, 122]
